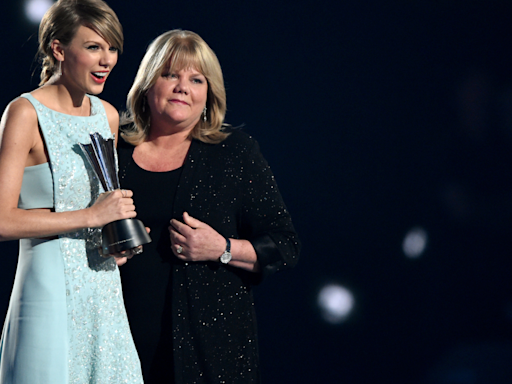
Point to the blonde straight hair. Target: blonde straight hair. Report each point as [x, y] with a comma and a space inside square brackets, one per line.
[181, 50]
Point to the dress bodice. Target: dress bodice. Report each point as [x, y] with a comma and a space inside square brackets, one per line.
[75, 185]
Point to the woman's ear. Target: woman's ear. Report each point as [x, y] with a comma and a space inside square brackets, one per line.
[58, 50]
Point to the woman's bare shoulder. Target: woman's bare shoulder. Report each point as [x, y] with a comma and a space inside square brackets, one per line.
[21, 112]
[109, 108]
[18, 130]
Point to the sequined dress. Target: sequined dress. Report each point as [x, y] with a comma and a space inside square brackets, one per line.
[66, 321]
[207, 321]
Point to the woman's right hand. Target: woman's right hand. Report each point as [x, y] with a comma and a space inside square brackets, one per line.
[112, 206]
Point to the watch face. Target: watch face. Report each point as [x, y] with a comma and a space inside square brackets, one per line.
[225, 257]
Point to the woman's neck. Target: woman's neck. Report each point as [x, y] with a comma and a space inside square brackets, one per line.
[67, 99]
[162, 153]
[168, 141]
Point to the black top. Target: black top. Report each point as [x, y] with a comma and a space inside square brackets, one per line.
[208, 331]
[145, 277]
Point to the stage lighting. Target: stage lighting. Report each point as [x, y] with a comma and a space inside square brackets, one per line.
[415, 242]
[335, 302]
[35, 9]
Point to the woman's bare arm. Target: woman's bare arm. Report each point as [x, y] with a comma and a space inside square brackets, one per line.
[21, 146]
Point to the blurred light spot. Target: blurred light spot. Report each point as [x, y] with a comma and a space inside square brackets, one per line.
[335, 302]
[35, 9]
[415, 242]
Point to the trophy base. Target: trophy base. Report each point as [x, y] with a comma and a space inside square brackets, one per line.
[122, 235]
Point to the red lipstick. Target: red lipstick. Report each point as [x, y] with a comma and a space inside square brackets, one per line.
[99, 77]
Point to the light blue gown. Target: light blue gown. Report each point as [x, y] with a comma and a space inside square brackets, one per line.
[66, 321]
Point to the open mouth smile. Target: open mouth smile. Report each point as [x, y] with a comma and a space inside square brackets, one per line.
[99, 77]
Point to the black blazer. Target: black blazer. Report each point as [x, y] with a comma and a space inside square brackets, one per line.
[210, 320]
[230, 187]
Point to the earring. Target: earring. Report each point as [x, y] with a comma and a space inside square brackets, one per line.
[58, 70]
[204, 113]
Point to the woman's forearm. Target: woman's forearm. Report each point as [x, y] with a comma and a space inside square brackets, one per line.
[243, 255]
[19, 223]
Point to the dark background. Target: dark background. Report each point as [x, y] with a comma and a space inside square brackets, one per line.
[376, 117]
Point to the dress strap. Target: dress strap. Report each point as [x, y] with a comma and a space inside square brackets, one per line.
[31, 98]
[97, 107]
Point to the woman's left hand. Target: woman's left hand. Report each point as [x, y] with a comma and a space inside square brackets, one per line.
[122, 258]
[196, 240]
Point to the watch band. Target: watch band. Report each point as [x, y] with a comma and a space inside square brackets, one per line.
[226, 256]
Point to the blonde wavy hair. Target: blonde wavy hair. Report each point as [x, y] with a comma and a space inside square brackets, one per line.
[181, 49]
[62, 21]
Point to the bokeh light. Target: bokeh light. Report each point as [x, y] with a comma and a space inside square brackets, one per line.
[415, 242]
[35, 9]
[335, 302]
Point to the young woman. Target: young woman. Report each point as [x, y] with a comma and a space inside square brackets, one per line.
[66, 321]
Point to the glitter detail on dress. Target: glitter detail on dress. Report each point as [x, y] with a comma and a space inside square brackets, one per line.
[100, 346]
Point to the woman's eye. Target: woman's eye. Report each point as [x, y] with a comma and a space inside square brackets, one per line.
[93, 47]
[197, 81]
[113, 49]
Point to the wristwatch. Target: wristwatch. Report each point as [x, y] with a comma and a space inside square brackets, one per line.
[226, 256]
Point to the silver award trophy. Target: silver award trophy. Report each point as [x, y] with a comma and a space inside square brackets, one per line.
[119, 235]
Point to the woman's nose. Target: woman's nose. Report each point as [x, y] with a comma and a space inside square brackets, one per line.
[108, 59]
[181, 86]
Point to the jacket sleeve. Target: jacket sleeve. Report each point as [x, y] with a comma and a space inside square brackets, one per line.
[265, 221]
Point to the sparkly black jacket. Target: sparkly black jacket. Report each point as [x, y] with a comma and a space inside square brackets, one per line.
[230, 187]
[211, 319]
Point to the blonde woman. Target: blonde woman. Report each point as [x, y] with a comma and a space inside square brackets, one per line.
[217, 219]
[66, 321]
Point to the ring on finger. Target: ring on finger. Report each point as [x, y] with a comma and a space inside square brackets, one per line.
[179, 249]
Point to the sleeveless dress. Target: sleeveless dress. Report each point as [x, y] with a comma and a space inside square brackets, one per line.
[66, 321]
